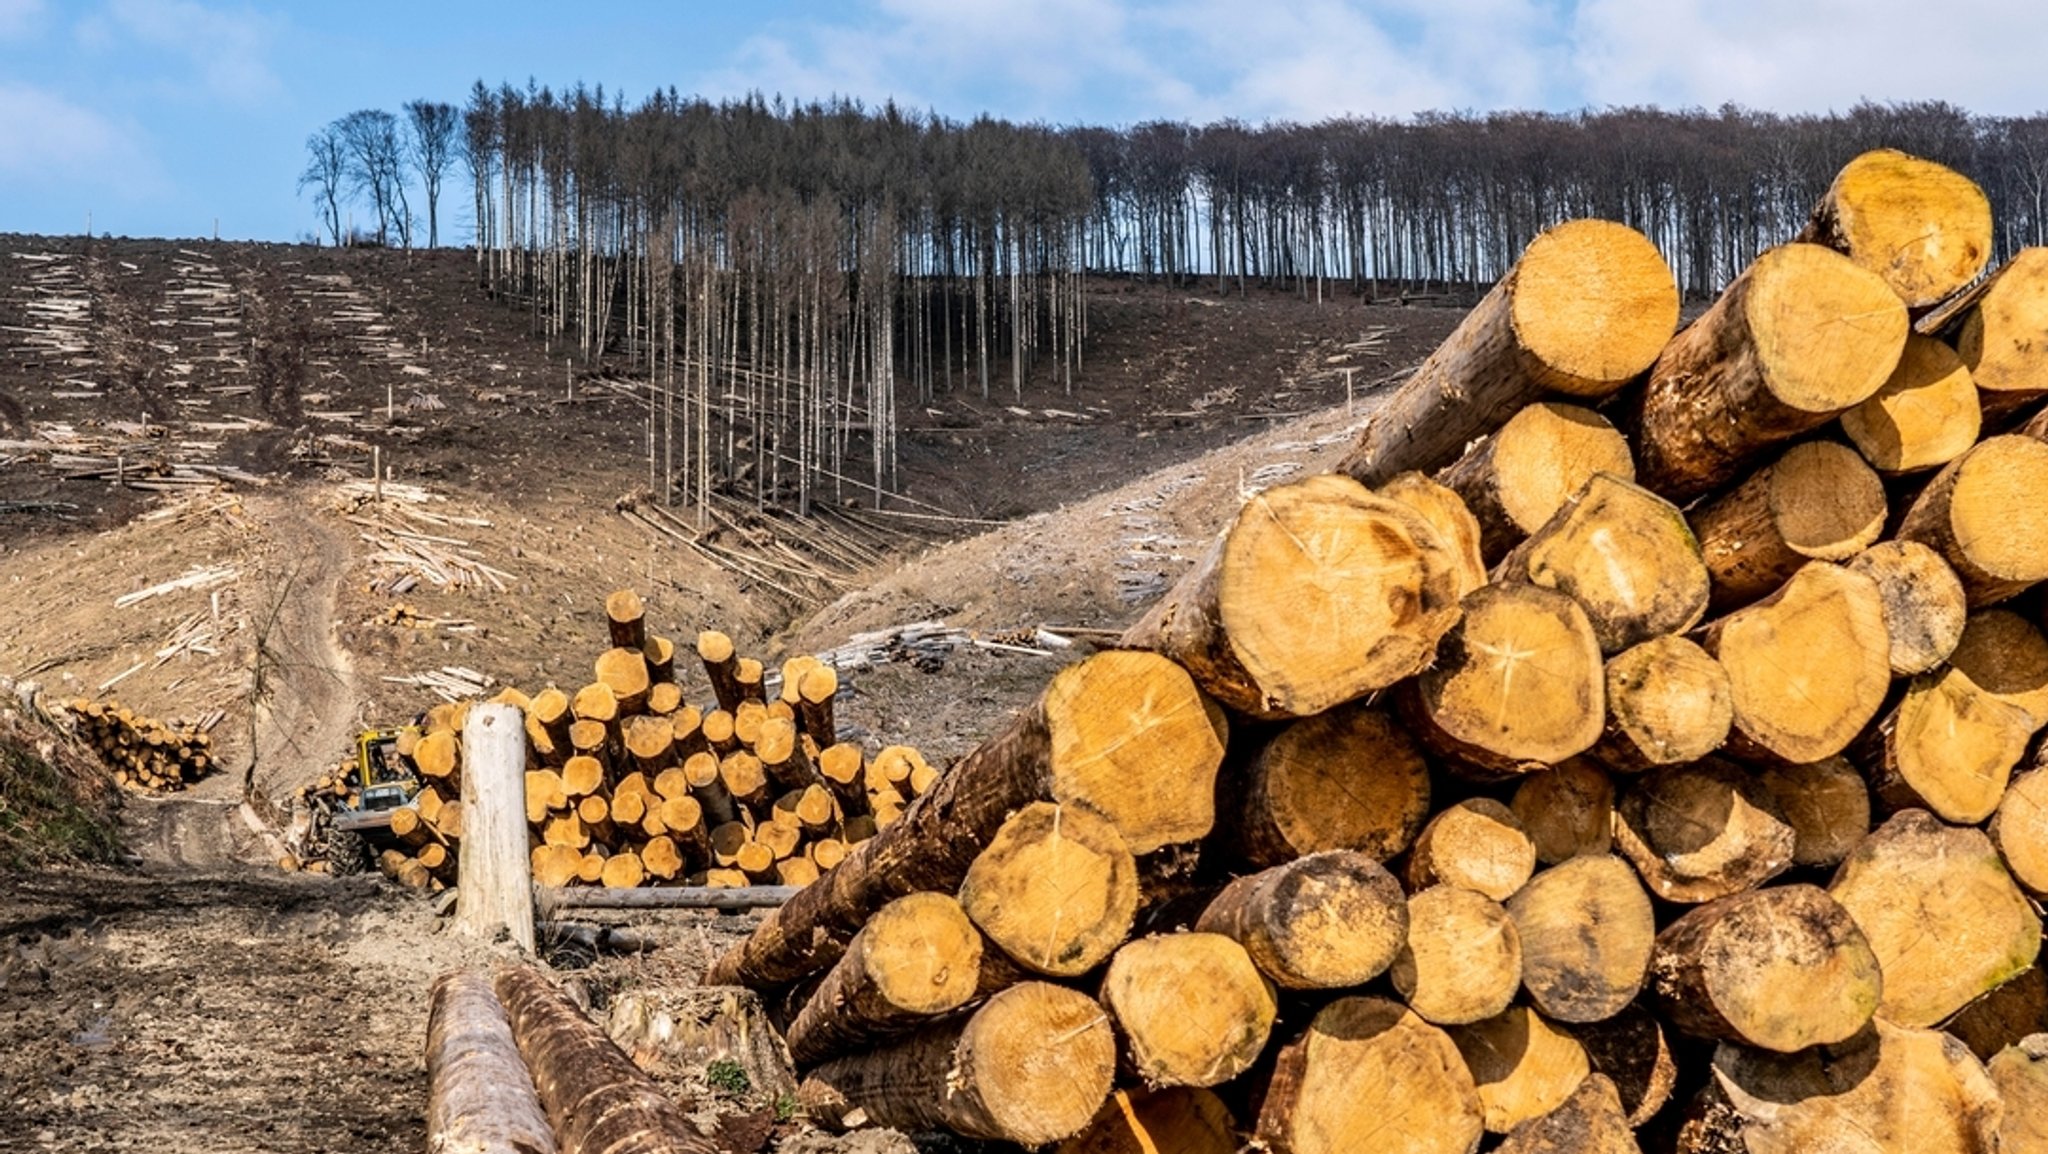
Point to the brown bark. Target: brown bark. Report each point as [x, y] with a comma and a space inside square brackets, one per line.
[480, 1097]
[1370, 1075]
[1583, 312]
[598, 1100]
[1325, 921]
[1319, 592]
[918, 957]
[1126, 733]
[1996, 330]
[1587, 931]
[1031, 1066]
[1916, 881]
[721, 665]
[1802, 335]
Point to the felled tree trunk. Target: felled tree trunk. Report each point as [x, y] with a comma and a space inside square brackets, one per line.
[1980, 514]
[1456, 529]
[1368, 1074]
[1808, 666]
[1782, 969]
[1031, 1066]
[1056, 888]
[1523, 1066]
[1173, 1038]
[1817, 502]
[1625, 555]
[1926, 415]
[480, 1097]
[1922, 600]
[1567, 811]
[1477, 844]
[1996, 330]
[1630, 1050]
[1802, 335]
[1518, 478]
[2020, 830]
[1125, 732]
[1826, 804]
[1924, 227]
[597, 1099]
[1702, 830]
[1668, 702]
[1583, 312]
[1914, 881]
[1587, 931]
[1462, 961]
[1319, 592]
[1302, 792]
[1897, 1090]
[1180, 1119]
[918, 957]
[1326, 921]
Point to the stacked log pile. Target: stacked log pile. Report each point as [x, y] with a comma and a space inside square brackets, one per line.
[145, 754]
[1595, 760]
[629, 784]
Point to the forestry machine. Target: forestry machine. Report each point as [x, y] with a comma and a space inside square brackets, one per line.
[381, 781]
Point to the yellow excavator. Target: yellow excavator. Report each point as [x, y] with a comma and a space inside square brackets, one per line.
[381, 781]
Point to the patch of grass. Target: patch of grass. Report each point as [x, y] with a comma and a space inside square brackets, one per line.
[727, 1076]
[50, 812]
[786, 1107]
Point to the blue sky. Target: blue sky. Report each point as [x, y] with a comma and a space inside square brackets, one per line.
[160, 117]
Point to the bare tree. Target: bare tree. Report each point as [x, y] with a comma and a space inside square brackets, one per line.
[431, 143]
[326, 171]
[376, 170]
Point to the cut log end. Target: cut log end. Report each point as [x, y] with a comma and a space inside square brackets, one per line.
[1587, 931]
[1625, 555]
[1349, 779]
[1463, 957]
[1922, 600]
[1982, 513]
[1808, 666]
[1517, 479]
[1477, 844]
[1519, 681]
[1056, 888]
[1925, 416]
[1702, 830]
[1921, 226]
[1524, 1066]
[1325, 921]
[1589, 342]
[1133, 738]
[1368, 1074]
[1668, 702]
[1177, 1040]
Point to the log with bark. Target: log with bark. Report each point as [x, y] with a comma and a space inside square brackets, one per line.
[1325, 921]
[1179, 1119]
[1348, 779]
[1567, 811]
[1318, 592]
[2020, 1072]
[1591, 1121]
[1981, 514]
[1923, 227]
[1996, 330]
[917, 958]
[1818, 501]
[1583, 312]
[480, 1097]
[1922, 599]
[1518, 478]
[1702, 830]
[1056, 889]
[1476, 844]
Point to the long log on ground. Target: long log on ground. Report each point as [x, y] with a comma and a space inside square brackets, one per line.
[1591, 1121]
[918, 957]
[1456, 529]
[1031, 1066]
[2021, 1074]
[1668, 701]
[1702, 830]
[1808, 666]
[1630, 1050]
[1518, 478]
[1996, 330]
[1782, 969]
[1477, 844]
[1817, 502]
[1463, 958]
[1056, 888]
[1517, 684]
[1923, 602]
[1567, 811]
[1925, 228]
[1583, 312]
[1587, 931]
[1802, 335]
[1173, 1120]
[1524, 1066]
[1895, 1090]
[1124, 732]
[1915, 881]
[1348, 779]
[1983, 515]
[1319, 592]
[1926, 415]
[1368, 1074]
[598, 1100]
[1322, 922]
[1826, 804]
[1191, 1008]
[480, 1097]
[1625, 555]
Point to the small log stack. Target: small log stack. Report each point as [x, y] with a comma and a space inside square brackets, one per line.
[146, 755]
[629, 784]
[1519, 777]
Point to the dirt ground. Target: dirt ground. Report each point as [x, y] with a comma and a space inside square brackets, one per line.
[198, 999]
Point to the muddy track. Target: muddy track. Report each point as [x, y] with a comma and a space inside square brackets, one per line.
[306, 701]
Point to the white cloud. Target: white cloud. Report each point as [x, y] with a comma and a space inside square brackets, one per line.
[48, 140]
[229, 52]
[1980, 54]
